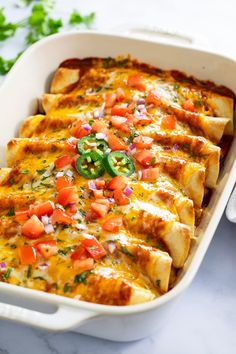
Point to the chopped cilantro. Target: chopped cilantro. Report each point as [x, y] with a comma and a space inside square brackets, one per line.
[158, 282]
[82, 277]
[127, 252]
[11, 212]
[41, 172]
[77, 19]
[7, 274]
[11, 181]
[176, 87]
[67, 288]
[24, 172]
[29, 271]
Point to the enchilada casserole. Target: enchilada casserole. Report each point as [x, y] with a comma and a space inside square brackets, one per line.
[106, 184]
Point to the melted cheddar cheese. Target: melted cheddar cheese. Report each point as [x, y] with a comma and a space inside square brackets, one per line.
[87, 239]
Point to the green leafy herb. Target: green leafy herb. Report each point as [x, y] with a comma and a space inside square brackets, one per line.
[158, 282]
[11, 212]
[7, 274]
[127, 252]
[64, 251]
[11, 181]
[176, 87]
[82, 277]
[7, 29]
[41, 172]
[67, 288]
[29, 271]
[40, 278]
[77, 19]
[24, 172]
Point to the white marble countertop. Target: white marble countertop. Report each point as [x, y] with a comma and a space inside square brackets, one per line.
[204, 318]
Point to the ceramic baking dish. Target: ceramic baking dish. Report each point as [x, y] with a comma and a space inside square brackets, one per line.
[27, 81]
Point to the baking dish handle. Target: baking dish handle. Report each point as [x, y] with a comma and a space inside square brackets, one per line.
[64, 319]
[161, 34]
[231, 207]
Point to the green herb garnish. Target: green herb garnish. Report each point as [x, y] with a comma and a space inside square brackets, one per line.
[7, 274]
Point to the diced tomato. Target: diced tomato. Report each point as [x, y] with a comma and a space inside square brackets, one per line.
[110, 99]
[74, 160]
[41, 209]
[145, 119]
[99, 127]
[91, 216]
[100, 208]
[120, 95]
[33, 228]
[98, 194]
[94, 248]
[84, 264]
[118, 182]
[99, 183]
[189, 105]
[153, 98]
[168, 122]
[22, 215]
[82, 131]
[71, 144]
[136, 81]
[120, 197]
[72, 209]
[120, 111]
[113, 224]
[78, 131]
[143, 142]
[47, 248]
[60, 217]
[63, 161]
[79, 253]
[144, 157]
[27, 255]
[118, 121]
[150, 174]
[63, 182]
[116, 143]
[67, 195]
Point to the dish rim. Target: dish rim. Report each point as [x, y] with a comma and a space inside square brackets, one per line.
[202, 247]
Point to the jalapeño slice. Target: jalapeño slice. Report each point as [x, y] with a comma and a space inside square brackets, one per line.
[118, 164]
[90, 165]
[91, 143]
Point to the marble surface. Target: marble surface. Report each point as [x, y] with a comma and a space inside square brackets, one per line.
[204, 318]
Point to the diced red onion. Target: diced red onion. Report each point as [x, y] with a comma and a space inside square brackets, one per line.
[89, 91]
[128, 191]
[75, 115]
[43, 266]
[69, 173]
[141, 107]
[71, 140]
[175, 147]
[88, 236]
[100, 136]
[3, 267]
[96, 114]
[132, 147]
[111, 200]
[92, 185]
[48, 228]
[86, 127]
[45, 219]
[111, 247]
[124, 105]
[93, 144]
[151, 105]
[140, 101]
[136, 97]
[59, 174]
[138, 114]
[77, 216]
[139, 175]
[80, 226]
[88, 115]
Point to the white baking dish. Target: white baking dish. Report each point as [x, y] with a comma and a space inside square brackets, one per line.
[26, 81]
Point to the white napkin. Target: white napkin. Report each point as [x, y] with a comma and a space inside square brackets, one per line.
[231, 207]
